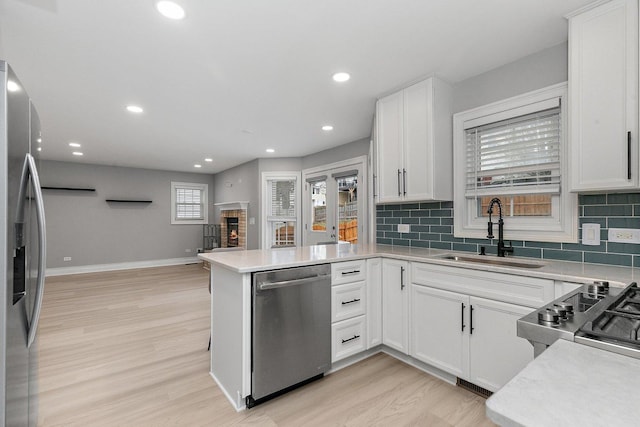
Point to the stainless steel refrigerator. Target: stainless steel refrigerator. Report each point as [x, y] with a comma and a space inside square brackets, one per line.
[22, 253]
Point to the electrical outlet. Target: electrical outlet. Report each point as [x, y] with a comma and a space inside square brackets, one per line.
[188, 250]
[199, 250]
[624, 235]
[404, 228]
[67, 258]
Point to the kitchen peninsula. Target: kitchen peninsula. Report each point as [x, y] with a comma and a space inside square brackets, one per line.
[514, 289]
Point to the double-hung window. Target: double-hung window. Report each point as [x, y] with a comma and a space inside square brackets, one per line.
[281, 200]
[515, 150]
[189, 203]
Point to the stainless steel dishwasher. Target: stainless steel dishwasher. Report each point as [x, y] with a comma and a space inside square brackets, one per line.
[291, 329]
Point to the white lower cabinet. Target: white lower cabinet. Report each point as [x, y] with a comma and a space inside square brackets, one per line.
[439, 330]
[348, 337]
[395, 304]
[374, 302]
[496, 353]
[348, 301]
[470, 337]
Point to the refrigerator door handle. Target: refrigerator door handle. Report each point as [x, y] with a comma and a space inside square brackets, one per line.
[29, 169]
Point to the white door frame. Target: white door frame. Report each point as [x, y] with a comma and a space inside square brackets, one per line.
[360, 163]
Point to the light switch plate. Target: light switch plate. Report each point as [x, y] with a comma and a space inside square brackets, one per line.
[591, 234]
[404, 228]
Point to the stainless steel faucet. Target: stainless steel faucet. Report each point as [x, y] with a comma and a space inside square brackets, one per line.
[502, 249]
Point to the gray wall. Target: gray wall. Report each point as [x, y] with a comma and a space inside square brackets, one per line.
[90, 231]
[347, 151]
[532, 72]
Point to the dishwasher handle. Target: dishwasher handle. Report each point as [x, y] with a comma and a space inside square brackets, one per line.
[296, 282]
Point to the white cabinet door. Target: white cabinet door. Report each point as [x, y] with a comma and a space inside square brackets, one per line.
[418, 100]
[496, 353]
[395, 304]
[374, 302]
[603, 97]
[389, 120]
[439, 324]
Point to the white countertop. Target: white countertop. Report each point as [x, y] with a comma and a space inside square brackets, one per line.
[269, 259]
[570, 384]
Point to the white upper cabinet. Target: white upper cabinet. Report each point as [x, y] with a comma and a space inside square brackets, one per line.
[603, 97]
[414, 144]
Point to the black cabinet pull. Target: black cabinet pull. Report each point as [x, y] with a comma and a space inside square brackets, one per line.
[462, 315]
[350, 302]
[355, 337]
[471, 320]
[629, 155]
[399, 189]
[401, 278]
[404, 181]
[346, 273]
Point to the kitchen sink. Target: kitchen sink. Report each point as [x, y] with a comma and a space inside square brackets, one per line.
[492, 260]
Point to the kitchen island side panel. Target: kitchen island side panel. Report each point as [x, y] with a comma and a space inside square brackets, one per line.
[231, 333]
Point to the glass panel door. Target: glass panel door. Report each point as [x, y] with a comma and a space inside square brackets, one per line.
[347, 192]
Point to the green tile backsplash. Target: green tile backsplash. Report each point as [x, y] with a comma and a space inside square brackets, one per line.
[431, 226]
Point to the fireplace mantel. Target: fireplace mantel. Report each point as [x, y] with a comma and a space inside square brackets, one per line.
[232, 206]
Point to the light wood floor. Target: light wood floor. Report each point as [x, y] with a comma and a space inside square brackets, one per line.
[129, 348]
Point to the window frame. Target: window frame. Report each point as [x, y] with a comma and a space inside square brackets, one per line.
[267, 222]
[562, 226]
[204, 189]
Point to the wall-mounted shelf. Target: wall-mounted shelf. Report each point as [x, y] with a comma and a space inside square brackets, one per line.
[128, 201]
[67, 188]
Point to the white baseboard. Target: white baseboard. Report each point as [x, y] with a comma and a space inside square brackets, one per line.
[61, 271]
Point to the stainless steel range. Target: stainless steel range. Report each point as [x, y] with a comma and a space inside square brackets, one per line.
[595, 314]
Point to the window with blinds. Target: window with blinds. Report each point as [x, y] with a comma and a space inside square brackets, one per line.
[515, 156]
[515, 150]
[282, 212]
[188, 203]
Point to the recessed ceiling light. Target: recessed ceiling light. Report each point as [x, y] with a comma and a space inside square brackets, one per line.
[39, 148]
[170, 9]
[39, 140]
[208, 159]
[134, 109]
[327, 128]
[197, 166]
[77, 153]
[341, 77]
[74, 145]
[12, 86]
[270, 150]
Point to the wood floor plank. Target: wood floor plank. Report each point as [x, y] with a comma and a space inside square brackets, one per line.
[129, 348]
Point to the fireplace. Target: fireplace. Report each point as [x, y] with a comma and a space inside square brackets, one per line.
[233, 232]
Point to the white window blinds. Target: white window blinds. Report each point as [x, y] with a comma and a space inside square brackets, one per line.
[520, 155]
[283, 199]
[189, 203]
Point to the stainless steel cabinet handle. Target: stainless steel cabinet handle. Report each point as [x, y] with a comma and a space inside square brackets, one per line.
[401, 278]
[629, 155]
[462, 314]
[404, 181]
[375, 181]
[29, 169]
[346, 273]
[399, 189]
[274, 285]
[471, 320]
[350, 302]
[355, 337]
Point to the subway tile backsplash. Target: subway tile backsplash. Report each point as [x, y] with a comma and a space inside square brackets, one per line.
[431, 226]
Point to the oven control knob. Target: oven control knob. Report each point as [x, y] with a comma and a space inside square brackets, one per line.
[549, 317]
[567, 306]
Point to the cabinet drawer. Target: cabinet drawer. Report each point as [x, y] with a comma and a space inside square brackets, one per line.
[348, 338]
[511, 288]
[348, 272]
[348, 301]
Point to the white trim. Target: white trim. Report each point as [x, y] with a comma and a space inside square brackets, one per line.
[236, 406]
[562, 228]
[96, 268]
[232, 206]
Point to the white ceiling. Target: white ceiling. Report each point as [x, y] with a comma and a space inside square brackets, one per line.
[238, 76]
